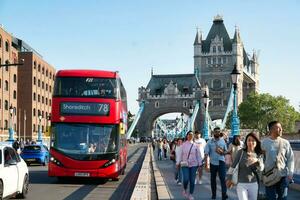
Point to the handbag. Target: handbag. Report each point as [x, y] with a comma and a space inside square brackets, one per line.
[234, 171]
[273, 175]
[185, 163]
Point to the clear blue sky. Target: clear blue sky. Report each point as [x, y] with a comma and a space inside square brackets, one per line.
[133, 36]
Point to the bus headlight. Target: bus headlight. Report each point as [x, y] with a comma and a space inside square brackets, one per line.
[110, 162]
[55, 161]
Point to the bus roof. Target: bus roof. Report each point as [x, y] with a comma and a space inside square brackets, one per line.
[86, 73]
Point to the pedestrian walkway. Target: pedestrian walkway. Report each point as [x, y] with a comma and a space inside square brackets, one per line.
[202, 191]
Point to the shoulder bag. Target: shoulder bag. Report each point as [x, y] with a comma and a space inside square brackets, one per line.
[234, 172]
[273, 176]
[185, 163]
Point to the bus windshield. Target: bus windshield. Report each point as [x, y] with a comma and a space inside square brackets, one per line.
[85, 87]
[80, 140]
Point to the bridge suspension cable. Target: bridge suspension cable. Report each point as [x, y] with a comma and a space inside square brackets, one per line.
[136, 119]
[229, 108]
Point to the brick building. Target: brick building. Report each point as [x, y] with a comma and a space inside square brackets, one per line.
[28, 88]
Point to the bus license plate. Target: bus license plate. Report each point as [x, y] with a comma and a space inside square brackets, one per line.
[80, 174]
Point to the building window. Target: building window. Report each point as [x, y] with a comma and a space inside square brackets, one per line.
[33, 127]
[39, 98]
[46, 101]
[157, 104]
[6, 85]
[15, 94]
[7, 46]
[224, 60]
[34, 112]
[214, 49]
[50, 75]
[34, 65]
[0, 83]
[209, 61]
[39, 83]
[43, 85]
[217, 102]
[34, 80]
[219, 60]
[15, 78]
[214, 61]
[6, 67]
[5, 124]
[6, 105]
[50, 102]
[47, 73]
[43, 70]
[39, 67]
[185, 104]
[217, 84]
[46, 87]
[228, 85]
[0, 41]
[42, 99]
[50, 88]
[34, 96]
[219, 49]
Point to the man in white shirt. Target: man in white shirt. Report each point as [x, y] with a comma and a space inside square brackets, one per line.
[200, 143]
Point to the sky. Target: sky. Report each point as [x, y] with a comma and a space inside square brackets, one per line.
[134, 36]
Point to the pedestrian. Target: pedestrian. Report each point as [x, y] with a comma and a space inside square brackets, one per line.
[216, 149]
[159, 149]
[233, 148]
[200, 143]
[178, 171]
[16, 145]
[166, 148]
[250, 163]
[22, 144]
[275, 147]
[189, 160]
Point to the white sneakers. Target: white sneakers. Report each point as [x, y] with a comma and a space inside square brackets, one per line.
[198, 182]
[186, 195]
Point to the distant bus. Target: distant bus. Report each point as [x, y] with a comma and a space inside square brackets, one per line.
[88, 125]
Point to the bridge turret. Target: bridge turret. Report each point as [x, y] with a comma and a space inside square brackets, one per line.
[238, 54]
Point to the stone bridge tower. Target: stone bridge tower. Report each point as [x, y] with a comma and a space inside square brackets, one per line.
[214, 59]
[166, 94]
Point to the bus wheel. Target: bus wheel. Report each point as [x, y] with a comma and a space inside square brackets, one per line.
[115, 179]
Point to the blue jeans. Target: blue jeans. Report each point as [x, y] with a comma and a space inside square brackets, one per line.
[159, 156]
[221, 170]
[189, 175]
[279, 190]
[178, 174]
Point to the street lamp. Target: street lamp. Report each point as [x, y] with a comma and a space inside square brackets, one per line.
[190, 117]
[205, 127]
[40, 139]
[182, 125]
[13, 64]
[11, 129]
[235, 122]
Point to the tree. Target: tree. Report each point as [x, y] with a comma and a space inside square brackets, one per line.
[259, 109]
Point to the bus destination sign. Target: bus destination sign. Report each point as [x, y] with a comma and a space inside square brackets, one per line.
[82, 108]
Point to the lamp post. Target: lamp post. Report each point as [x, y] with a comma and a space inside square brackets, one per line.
[190, 117]
[11, 129]
[235, 122]
[205, 126]
[40, 139]
[182, 125]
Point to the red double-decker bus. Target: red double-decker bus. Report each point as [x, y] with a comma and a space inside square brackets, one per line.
[88, 125]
